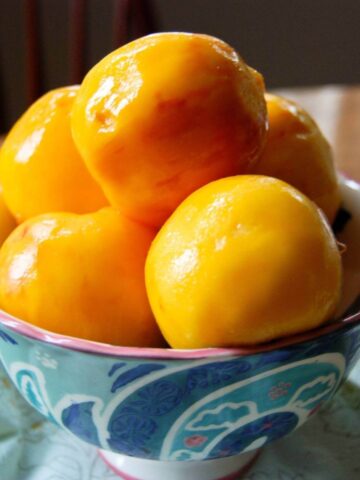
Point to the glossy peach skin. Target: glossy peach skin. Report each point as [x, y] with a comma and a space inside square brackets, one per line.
[40, 168]
[7, 221]
[297, 152]
[80, 275]
[165, 114]
[243, 260]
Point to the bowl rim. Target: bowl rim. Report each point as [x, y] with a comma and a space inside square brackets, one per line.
[89, 346]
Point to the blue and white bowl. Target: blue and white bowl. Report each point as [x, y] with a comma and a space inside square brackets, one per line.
[202, 414]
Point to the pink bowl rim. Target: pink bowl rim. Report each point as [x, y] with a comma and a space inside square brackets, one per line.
[88, 346]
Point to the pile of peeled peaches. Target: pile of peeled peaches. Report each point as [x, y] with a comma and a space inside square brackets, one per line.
[168, 200]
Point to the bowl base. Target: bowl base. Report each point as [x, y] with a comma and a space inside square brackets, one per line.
[130, 468]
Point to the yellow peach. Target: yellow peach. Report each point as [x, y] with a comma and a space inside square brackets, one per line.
[7, 221]
[243, 260]
[297, 152]
[40, 168]
[164, 115]
[80, 275]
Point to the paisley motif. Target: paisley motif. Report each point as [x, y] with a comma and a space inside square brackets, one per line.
[78, 419]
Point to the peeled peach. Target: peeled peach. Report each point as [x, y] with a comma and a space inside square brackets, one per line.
[164, 115]
[297, 152]
[40, 168]
[243, 260]
[80, 275]
[7, 221]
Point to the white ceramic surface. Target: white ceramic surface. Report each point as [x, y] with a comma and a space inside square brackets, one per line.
[130, 468]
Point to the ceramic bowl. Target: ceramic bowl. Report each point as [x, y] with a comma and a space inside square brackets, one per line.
[200, 414]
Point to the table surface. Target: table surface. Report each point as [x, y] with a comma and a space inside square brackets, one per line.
[326, 448]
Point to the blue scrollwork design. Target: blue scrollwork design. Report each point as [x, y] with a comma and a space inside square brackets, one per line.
[7, 338]
[129, 434]
[132, 425]
[271, 426]
[78, 418]
[214, 374]
[133, 374]
[157, 399]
